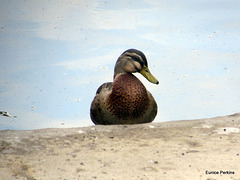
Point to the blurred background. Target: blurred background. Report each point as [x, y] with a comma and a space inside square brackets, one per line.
[55, 54]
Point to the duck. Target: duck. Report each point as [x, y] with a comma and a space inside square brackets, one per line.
[125, 100]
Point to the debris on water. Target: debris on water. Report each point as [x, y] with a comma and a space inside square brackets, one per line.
[6, 114]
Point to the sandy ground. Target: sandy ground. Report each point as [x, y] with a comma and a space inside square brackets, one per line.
[171, 150]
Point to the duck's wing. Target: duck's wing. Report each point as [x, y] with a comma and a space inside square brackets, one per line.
[104, 87]
[96, 110]
[153, 108]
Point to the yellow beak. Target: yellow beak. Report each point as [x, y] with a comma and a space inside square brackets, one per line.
[146, 73]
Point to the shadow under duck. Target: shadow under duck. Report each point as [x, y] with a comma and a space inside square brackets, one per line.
[125, 100]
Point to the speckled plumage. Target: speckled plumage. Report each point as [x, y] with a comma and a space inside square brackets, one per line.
[125, 101]
[128, 97]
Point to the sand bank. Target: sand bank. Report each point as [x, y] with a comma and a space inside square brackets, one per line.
[193, 149]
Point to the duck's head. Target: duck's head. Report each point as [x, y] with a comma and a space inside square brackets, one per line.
[132, 61]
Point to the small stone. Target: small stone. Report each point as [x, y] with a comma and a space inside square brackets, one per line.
[151, 126]
[67, 142]
[74, 155]
[81, 132]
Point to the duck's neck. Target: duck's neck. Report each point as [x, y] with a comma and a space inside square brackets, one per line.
[118, 70]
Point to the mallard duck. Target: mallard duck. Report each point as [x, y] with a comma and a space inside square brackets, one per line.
[125, 100]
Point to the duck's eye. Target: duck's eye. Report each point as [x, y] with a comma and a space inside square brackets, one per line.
[146, 70]
[135, 58]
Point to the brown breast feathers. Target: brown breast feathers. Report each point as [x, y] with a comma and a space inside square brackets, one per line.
[129, 97]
